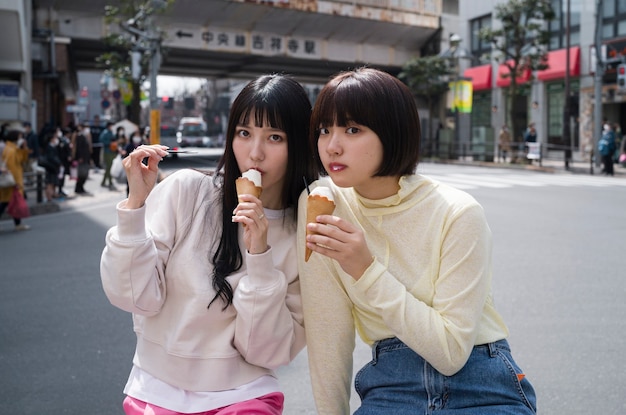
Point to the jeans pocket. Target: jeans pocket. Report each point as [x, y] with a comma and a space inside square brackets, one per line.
[522, 385]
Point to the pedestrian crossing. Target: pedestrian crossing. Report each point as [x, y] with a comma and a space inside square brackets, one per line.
[503, 180]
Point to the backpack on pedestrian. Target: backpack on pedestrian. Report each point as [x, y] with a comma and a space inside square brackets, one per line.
[604, 146]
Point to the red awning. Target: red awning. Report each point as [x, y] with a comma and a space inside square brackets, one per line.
[480, 75]
[503, 70]
[557, 66]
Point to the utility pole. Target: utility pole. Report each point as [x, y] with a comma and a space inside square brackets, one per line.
[599, 72]
[567, 140]
[147, 39]
[155, 64]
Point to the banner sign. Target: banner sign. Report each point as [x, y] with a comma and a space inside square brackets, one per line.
[461, 92]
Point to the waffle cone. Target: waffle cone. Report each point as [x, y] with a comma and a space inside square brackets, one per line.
[316, 205]
[247, 187]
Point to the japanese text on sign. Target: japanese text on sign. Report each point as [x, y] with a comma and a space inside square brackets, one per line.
[261, 43]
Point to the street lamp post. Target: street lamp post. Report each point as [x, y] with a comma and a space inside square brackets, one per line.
[567, 140]
[597, 89]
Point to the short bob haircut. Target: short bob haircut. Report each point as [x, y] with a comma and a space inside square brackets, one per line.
[380, 102]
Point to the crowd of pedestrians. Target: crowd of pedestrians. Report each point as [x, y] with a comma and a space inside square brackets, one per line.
[58, 154]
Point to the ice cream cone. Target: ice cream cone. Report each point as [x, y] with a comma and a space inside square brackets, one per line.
[247, 187]
[316, 205]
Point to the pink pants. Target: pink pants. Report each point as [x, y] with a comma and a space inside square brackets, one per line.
[270, 404]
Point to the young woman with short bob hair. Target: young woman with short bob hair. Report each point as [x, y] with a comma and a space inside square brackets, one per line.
[405, 262]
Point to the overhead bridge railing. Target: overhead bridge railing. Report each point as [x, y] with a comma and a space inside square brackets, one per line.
[426, 7]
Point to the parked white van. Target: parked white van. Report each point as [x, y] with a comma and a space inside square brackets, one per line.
[192, 132]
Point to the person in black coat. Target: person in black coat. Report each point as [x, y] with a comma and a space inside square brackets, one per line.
[65, 154]
[51, 161]
[81, 157]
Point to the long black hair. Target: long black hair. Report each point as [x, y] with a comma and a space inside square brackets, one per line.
[283, 103]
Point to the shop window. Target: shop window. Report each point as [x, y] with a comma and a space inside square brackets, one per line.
[481, 109]
[556, 104]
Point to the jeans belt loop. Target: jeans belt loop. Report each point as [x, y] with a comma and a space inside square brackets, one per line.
[375, 351]
[492, 349]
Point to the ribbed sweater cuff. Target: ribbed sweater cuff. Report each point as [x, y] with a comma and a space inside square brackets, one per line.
[131, 223]
[258, 266]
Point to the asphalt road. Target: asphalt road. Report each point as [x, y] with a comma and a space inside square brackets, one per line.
[558, 254]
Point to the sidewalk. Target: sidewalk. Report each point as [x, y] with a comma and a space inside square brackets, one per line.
[552, 165]
[95, 193]
[98, 193]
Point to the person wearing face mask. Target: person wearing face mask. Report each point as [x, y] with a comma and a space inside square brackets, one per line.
[135, 141]
[51, 161]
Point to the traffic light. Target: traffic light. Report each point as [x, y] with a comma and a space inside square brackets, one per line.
[621, 76]
[190, 103]
[168, 102]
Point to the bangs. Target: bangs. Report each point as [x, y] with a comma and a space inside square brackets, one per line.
[262, 114]
[342, 103]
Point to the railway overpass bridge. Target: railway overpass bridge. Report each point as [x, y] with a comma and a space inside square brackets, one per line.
[309, 39]
[241, 39]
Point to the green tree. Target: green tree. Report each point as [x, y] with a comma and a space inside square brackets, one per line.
[427, 77]
[521, 44]
[133, 18]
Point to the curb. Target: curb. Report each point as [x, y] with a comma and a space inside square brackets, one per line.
[548, 166]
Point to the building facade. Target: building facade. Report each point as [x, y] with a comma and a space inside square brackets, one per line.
[212, 39]
[544, 99]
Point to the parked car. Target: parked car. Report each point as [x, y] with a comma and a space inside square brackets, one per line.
[192, 132]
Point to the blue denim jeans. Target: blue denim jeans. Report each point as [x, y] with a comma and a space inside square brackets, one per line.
[398, 381]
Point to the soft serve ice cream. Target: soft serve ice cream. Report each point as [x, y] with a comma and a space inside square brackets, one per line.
[249, 183]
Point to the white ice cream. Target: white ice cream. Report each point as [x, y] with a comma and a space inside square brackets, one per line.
[254, 176]
[323, 191]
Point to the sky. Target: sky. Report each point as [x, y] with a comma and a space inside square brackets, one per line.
[176, 85]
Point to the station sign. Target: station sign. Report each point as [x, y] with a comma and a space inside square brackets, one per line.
[257, 43]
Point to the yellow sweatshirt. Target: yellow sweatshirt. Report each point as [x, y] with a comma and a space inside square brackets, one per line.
[429, 284]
